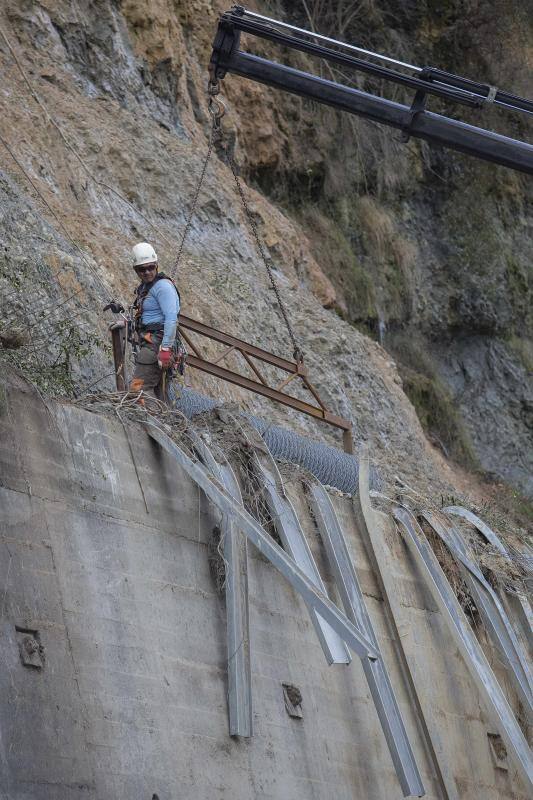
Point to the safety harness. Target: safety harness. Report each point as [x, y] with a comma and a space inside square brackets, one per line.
[151, 335]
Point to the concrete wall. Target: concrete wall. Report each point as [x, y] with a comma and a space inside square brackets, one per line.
[130, 700]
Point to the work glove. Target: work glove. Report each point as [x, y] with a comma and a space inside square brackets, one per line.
[165, 357]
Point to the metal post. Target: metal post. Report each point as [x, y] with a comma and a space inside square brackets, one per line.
[236, 586]
[118, 340]
[375, 671]
[266, 545]
[374, 537]
[291, 534]
[347, 441]
[490, 691]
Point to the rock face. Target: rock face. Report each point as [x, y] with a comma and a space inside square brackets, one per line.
[425, 250]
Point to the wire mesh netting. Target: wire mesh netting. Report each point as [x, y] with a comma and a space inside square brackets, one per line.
[332, 467]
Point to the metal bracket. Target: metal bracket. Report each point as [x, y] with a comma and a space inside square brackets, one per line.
[226, 42]
[498, 751]
[418, 105]
[293, 700]
[491, 96]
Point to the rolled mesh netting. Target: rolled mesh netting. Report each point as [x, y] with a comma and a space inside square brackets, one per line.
[331, 466]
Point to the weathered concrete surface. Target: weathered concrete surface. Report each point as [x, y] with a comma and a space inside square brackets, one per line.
[131, 701]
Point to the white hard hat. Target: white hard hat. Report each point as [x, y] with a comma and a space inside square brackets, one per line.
[143, 253]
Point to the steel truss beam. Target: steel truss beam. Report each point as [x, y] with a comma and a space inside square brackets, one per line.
[251, 355]
[489, 689]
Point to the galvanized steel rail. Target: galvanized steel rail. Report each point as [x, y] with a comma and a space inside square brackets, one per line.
[519, 603]
[494, 616]
[236, 590]
[375, 671]
[291, 534]
[478, 523]
[380, 557]
[489, 689]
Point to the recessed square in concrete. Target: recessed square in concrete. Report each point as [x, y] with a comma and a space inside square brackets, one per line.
[30, 648]
[293, 700]
[498, 751]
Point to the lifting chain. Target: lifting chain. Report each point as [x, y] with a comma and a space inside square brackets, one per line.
[217, 110]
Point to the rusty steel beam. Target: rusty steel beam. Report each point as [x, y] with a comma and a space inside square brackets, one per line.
[118, 341]
[253, 368]
[267, 391]
[249, 352]
[256, 352]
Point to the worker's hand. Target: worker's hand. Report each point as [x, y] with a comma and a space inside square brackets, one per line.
[165, 357]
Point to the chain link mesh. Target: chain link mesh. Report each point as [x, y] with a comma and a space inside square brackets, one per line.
[331, 466]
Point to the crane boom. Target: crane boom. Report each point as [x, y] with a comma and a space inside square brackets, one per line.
[415, 120]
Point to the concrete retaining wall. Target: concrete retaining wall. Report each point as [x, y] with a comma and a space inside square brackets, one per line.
[126, 700]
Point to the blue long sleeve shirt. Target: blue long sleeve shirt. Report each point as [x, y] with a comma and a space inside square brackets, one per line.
[162, 305]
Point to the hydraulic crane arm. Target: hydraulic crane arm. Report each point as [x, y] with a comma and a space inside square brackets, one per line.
[414, 120]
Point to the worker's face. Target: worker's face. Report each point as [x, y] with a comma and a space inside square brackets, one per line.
[147, 272]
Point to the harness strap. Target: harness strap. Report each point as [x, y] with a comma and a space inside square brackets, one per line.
[141, 293]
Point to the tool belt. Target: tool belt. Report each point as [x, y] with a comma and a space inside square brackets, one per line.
[152, 335]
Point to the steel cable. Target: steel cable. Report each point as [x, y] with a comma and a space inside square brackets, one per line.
[192, 211]
[297, 353]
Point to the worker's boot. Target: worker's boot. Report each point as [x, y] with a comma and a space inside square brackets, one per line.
[137, 387]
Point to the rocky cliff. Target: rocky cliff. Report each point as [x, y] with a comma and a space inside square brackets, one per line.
[372, 240]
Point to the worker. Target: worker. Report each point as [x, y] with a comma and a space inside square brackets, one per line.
[155, 316]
